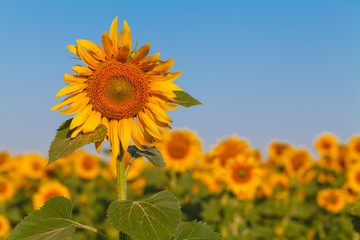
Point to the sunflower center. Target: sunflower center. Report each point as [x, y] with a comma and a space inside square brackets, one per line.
[118, 90]
[178, 150]
[242, 174]
[87, 164]
[333, 199]
[50, 194]
[3, 187]
[326, 145]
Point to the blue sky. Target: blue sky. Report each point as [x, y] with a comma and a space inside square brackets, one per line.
[285, 70]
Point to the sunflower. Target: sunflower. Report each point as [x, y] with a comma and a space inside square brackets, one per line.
[354, 147]
[5, 227]
[180, 149]
[353, 178]
[48, 190]
[34, 166]
[5, 161]
[331, 199]
[242, 176]
[277, 185]
[212, 183]
[298, 162]
[7, 190]
[229, 148]
[87, 166]
[327, 145]
[277, 151]
[122, 89]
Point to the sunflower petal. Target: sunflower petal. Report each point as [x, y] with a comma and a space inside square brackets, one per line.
[149, 125]
[135, 136]
[149, 140]
[107, 45]
[124, 133]
[124, 52]
[75, 107]
[71, 89]
[87, 57]
[125, 37]
[81, 70]
[114, 35]
[163, 67]
[77, 131]
[92, 122]
[158, 113]
[69, 100]
[165, 77]
[93, 49]
[141, 53]
[114, 137]
[81, 117]
[73, 49]
[73, 79]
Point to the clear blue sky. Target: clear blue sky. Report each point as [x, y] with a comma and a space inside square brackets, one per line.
[286, 70]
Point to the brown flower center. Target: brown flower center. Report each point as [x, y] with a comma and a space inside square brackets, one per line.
[178, 147]
[118, 90]
[242, 174]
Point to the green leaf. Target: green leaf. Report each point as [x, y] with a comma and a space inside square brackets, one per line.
[195, 230]
[151, 153]
[52, 221]
[185, 99]
[63, 145]
[154, 219]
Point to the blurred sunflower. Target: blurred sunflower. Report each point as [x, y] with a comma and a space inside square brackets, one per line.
[212, 183]
[48, 190]
[353, 178]
[87, 166]
[242, 177]
[118, 87]
[180, 149]
[34, 166]
[277, 151]
[229, 148]
[5, 227]
[298, 162]
[331, 199]
[5, 161]
[7, 190]
[276, 185]
[327, 145]
[354, 147]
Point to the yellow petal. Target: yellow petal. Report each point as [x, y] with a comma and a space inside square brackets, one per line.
[141, 53]
[163, 67]
[75, 107]
[72, 79]
[81, 70]
[124, 52]
[71, 89]
[149, 125]
[107, 45]
[87, 57]
[93, 49]
[99, 144]
[124, 133]
[69, 100]
[73, 49]
[114, 35]
[165, 77]
[149, 140]
[151, 60]
[92, 122]
[125, 37]
[77, 131]
[81, 117]
[135, 135]
[114, 137]
[158, 113]
[105, 122]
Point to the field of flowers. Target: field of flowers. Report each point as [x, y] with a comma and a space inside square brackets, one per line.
[290, 194]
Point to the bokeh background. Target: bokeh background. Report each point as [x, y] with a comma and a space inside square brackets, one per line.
[285, 70]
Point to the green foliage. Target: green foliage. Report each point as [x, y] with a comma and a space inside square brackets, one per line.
[154, 219]
[63, 145]
[52, 221]
[151, 153]
[185, 99]
[195, 230]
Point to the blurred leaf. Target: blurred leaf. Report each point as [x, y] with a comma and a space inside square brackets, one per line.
[151, 154]
[195, 230]
[185, 99]
[63, 145]
[154, 219]
[52, 221]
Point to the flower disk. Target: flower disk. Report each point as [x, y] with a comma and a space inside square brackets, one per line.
[124, 90]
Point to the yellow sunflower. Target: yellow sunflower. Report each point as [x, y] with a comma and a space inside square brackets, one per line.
[327, 145]
[331, 199]
[298, 162]
[276, 185]
[7, 190]
[277, 151]
[126, 91]
[242, 177]
[180, 149]
[354, 147]
[87, 166]
[34, 166]
[212, 183]
[5, 161]
[5, 227]
[353, 178]
[48, 190]
[229, 148]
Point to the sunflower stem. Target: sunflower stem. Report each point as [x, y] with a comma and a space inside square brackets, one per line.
[121, 183]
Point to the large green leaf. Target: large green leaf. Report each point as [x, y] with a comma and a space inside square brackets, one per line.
[52, 221]
[63, 145]
[185, 99]
[151, 153]
[156, 218]
[195, 230]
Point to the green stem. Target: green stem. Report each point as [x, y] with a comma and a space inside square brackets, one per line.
[121, 183]
[103, 236]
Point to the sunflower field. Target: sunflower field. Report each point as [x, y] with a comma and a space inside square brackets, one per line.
[241, 194]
